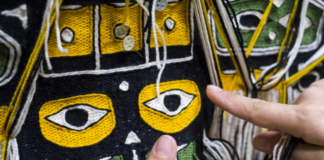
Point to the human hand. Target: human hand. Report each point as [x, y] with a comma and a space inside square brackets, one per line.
[304, 119]
[165, 148]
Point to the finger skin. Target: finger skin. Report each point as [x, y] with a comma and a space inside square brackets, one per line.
[261, 113]
[155, 155]
[266, 141]
[307, 151]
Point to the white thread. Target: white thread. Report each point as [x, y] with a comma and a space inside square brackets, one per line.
[274, 50]
[154, 27]
[284, 144]
[234, 40]
[115, 70]
[106, 158]
[284, 21]
[140, 2]
[275, 149]
[278, 3]
[319, 53]
[206, 46]
[23, 114]
[192, 26]
[158, 79]
[239, 16]
[146, 33]
[94, 115]
[158, 105]
[96, 34]
[216, 148]
[132, 138]
[12, 150]
[68, 7]
[135, 156]
[14, 59]
[19, 12]
[57, 29]
[124, 86]
[47, 17]
[293, 53]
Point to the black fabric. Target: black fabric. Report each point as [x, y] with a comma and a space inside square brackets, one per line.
[126, 109]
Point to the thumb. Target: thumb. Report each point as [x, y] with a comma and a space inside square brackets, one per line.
[165, 148]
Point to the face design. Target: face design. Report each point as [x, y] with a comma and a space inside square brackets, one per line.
[100, 101]
[273, 32]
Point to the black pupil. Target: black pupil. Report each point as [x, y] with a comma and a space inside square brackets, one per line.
[172, 102]
[76, 117]
[249, 21]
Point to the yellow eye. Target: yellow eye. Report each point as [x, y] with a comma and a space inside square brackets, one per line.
[171, 102]
[178, 105]
[78, 117]
[77, 121]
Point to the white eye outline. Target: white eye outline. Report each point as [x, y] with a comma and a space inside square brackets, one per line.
[94, 115]
[239, 16]
[283, 21]
[186, 99]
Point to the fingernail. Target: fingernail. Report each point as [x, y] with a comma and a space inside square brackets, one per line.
[262, 144]
[163, 147]
[214, 88]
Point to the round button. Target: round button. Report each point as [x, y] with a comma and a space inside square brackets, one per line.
[161, 5]
[120, 32]
[67, 35]
[128, 43]
[169, 24]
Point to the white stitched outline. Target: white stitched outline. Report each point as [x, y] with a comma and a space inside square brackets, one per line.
[96, 39]
[128, 68]
[19, 12]
[14, 59]
[132, 138]
[25, 109]
[146, 34]
[68, 7]
[94, 116]
[135, 156]
[274, 50]
[157, 103]
[13, 153]
[124, 86]
[115, 70]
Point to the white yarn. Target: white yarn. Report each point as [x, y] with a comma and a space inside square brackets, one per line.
[163, 66]
[140, 2]
[158, 64]
[47, 19]
[57, 28]
[294, 52]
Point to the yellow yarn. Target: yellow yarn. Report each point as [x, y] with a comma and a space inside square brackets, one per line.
[23, 80]
[81, 22]
[126, 14]
[180, 35]
[291, 19]
[112, 16]
[258, 29]
[71, 138]
[161, 121]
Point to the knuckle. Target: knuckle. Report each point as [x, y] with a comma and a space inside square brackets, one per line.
[252, 109]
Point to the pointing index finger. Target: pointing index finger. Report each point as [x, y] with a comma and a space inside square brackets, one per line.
[269, 115]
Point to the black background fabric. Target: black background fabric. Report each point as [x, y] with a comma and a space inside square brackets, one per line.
[32, 145]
